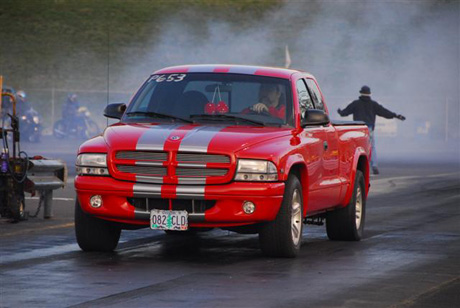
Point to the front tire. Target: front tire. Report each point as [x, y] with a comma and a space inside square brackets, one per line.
[283, 236]
[347, 223]
[95, 234]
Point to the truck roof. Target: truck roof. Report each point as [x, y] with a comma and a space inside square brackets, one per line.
[233, 69]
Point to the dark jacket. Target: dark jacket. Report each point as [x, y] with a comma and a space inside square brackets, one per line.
[70, 109]
[365, 109]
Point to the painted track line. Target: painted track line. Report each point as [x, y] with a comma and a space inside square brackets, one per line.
[54, 199]
[22, 232]
[413, 177]
[414, 300]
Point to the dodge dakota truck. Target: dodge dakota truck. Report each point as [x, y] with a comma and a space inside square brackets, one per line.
[243, 148]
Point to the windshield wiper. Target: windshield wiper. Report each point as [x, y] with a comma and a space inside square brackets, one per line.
[158, 115]
[223, 117]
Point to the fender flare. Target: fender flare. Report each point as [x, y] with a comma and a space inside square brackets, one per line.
[292, 160]
[359, 152]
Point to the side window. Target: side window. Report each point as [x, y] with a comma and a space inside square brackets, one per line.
[316, 94]
[305, 101]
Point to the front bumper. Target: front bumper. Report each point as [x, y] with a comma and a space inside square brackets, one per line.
[227, 210]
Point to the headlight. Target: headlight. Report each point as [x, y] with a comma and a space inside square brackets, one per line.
[92, 164]
[24, 117]
[36, 119]
[256, 170]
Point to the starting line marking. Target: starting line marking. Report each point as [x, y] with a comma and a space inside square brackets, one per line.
[22, 232]
[412, 177]
[56, 199]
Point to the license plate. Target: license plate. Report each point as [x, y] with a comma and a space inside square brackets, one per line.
[169, 220]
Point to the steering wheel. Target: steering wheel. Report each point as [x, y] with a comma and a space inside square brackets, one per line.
[263, 113]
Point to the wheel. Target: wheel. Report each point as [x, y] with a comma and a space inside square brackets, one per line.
[95, 234]
[34, 137]
[347, 223]
[92, 129]
[59, 129]
[283, 236]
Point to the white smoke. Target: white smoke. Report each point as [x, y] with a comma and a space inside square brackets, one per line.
[407, 52]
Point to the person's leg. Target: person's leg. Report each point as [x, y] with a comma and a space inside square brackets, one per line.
[375, 170]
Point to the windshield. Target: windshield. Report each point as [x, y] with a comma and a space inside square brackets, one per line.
[213, 97]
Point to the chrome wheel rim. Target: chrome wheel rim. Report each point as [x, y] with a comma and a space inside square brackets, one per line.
[358, 207]
[296, 218]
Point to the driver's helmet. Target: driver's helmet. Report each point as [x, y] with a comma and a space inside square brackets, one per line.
[72, 97]
[21, 94]
[8, 89]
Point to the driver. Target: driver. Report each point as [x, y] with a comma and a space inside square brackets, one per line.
[269, 101]
[23, 104]
[70, 110]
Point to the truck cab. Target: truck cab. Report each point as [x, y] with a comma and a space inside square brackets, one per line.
[245, 148]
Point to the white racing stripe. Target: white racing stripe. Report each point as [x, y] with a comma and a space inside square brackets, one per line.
[197, 192]
[154, 138]
[201, 69]
[146, 191]
[243, 70]
[149, 179]
[198, 139]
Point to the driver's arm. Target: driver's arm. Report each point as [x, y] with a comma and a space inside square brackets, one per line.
[259, 107]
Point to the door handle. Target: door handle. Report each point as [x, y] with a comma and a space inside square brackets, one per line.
[325, 145]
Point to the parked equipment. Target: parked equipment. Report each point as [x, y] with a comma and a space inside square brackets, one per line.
[20, 174]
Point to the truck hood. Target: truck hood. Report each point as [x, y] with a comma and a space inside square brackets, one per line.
[189, 137]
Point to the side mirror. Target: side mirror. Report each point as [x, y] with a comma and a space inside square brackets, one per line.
[114, 111]
[315, 117]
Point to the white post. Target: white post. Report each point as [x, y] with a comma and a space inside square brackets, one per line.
[52, 108]
[447, 119]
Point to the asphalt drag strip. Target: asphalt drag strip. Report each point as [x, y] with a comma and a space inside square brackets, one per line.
[410, 257]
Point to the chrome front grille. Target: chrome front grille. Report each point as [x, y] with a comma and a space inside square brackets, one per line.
[144, 170]
[203, 158]
[142, 155]
[191, 168]
[200, 172]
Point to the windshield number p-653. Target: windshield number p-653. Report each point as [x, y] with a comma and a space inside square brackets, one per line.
[168, 78]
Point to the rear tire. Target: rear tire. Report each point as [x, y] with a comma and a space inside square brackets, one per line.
[95, 234]
[35, 137]
[283, 236]
[92, 129]
[347, 223]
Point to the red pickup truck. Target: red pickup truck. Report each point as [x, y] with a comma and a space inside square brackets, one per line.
[243, 148]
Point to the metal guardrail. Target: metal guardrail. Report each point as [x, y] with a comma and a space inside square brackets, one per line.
[45, 176]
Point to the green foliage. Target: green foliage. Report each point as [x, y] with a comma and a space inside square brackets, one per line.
[52, 47]
[48, 39]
